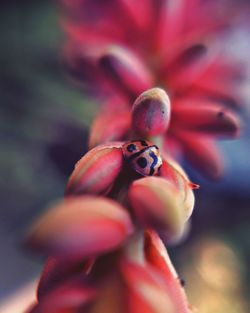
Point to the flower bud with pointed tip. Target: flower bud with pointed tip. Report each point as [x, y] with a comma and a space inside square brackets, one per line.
[80, 227]
[156, 204]
[151, 112]
[96, 171]
[175, 175]
[211, 119]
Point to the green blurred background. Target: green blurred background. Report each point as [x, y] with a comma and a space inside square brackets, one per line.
[44, 122]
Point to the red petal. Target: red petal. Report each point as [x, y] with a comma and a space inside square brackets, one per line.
[95, 14]
[140, 11]
[169, 24]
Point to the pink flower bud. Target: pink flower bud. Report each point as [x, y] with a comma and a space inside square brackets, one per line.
[151, 112]
[208, 119]
[57, 270]
[175, 175]
[156, 204]
[126, 71]
[81, 227]
[96, 171]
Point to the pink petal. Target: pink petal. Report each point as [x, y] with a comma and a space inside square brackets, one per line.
[187, 54]
[96, 171]
[206, 76]
[94, 14]
[188, 67]
[81, 227]
[228, 92]
[151, 112]
[141, 12]
[170, 23]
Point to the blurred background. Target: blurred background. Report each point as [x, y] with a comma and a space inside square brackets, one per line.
[44, 122]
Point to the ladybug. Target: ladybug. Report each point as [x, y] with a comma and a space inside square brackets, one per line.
[143, 156]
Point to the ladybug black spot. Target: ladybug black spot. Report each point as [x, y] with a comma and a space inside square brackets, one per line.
[131, 147]
[142, 162]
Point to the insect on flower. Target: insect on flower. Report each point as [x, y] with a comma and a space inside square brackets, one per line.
[143, 156]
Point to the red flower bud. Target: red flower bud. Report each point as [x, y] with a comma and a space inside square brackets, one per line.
[66, 299]
[126, 71]
[173, 173]
[57, 270]
[81, 227]
[96, 171]
[151, 112]
[208, 119]
[156, 204]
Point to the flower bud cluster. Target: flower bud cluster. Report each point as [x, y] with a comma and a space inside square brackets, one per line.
[102, 241]
[126, 195]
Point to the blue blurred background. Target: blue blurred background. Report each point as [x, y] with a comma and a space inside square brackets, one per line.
[44, 124]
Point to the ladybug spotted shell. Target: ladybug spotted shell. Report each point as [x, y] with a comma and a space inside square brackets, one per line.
[143, 156]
